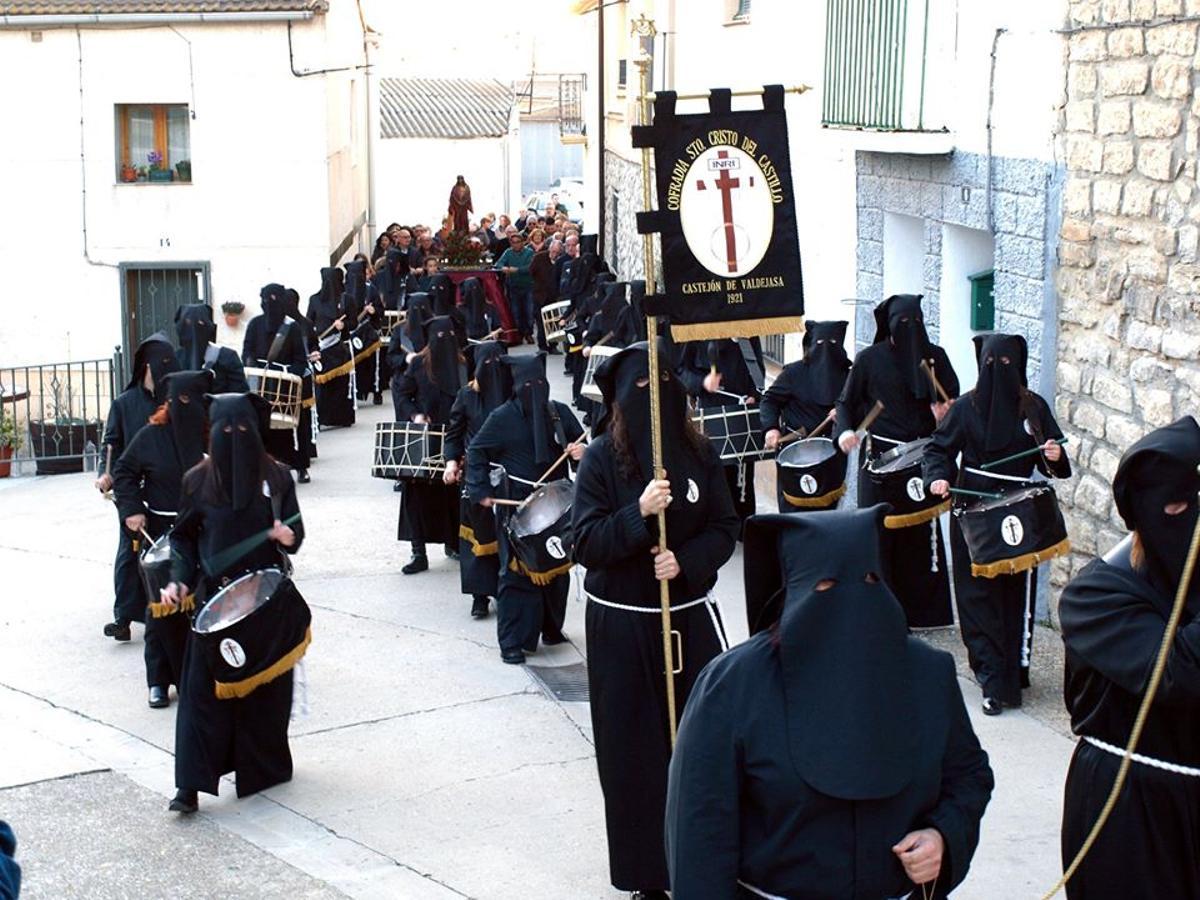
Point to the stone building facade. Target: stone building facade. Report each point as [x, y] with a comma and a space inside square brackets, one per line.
[622, 203]
[1129, 268]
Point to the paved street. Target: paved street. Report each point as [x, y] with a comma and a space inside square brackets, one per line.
[424, 767]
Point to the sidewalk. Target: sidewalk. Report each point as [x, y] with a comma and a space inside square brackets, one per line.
[425, 768]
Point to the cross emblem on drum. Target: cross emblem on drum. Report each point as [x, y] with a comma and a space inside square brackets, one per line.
[725, 185]
[1011, 530]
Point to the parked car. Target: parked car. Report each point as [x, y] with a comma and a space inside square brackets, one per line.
[536, 202]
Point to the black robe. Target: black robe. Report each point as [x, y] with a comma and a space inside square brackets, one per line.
[627, 693]
[478, 550]
[335, 396]
[996, 615]
[1113, 621]
[788, 403]
[915, 557]
[147, 480]
[428, 506]
[737, 808]
[282, 443]
[127, 415]
[228, 376]
[369, 375]
[247, 735]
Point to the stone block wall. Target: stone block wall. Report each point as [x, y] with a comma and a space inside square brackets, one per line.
[623, 196]
[1129, 269]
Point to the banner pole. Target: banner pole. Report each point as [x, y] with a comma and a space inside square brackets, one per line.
[643, 27]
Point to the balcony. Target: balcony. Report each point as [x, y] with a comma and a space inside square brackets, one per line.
[880, 74]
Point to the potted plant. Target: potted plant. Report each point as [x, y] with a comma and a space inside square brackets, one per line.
[183, 168]
[60, 440]
[157, 170]
[10, 442]
[128, 173]
[232, 310]
[141, 173]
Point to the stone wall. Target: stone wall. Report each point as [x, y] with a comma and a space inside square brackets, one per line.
[623, 181]
[1129, 272]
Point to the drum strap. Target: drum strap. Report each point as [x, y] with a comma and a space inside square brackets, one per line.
[279, 340]
[996, 475]
[1144, 760]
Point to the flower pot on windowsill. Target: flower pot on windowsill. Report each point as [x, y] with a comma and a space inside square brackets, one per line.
[184, 170]
[58, 448]
[128, 174]
[161, 175]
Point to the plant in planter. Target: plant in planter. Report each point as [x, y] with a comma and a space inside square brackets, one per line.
[232, 310]
[142, 173]
[128, 173]
[158, 172]
[183, 169]
[463, 251]
[11, 441]
[59, 441]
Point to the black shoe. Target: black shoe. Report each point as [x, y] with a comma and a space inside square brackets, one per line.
[992, 706]
[118, 631]
[416, 564]
[513, 657]
[479, 607]
[159, 699]
[303, 477]
[551, 640]
[377, 400]
[398, 486]
[184, 802]
[451, 551]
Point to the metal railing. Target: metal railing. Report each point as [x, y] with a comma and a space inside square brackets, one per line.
[570, 105]
[773, 347]
[875, 64]
[57, 410]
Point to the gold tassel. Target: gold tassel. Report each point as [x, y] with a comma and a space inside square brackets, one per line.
[814, 502]
[326, 377]
[917, 518]
[741, 328]
[162, 610]
[540, 578]
[309, 403]
[1021, 563]
[467, 533]
[369, 351]
[234, 689]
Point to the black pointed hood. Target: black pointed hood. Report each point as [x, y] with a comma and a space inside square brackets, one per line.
[238, 454]
[188, 414]
[274, 305]
[441, 294]
[157, 354]
[420, 313]
[998, 393]
[196, 329]
[493, 379]
[900, 320]
[474, 307]
[825, 360]
[531, 390]
[843, 651]
[446, 366]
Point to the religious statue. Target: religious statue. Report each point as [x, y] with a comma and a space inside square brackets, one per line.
[460, 205]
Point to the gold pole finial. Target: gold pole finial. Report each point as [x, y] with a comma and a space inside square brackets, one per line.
[643, 27]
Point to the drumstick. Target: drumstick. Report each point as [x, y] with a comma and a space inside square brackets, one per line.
[1023, 453]
[740, 398]
[231, 554]
[970, 493]
[799, 432]
[558, 461]
[487, 337]
[871, 417]
[937, 385]
[499, 501]
[791, 436]
[331, 327]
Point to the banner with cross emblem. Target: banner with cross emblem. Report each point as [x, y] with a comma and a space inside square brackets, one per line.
[726, 216]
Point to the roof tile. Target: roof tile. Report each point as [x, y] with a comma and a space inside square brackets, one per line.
[134, 7]
[444, 108]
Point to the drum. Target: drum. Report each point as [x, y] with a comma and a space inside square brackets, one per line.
[897, 478]
[1013, 533]
[590, 389]
[392, 319]
[336, 360]
[154, 566]
[573, 332]
[735, 431]
[811, 473]
[552, 320]
[283, 390]
[540, 533]
[408, 450]
[253, 630]
[365, 341]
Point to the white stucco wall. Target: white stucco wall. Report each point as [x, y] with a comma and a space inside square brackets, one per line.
[263, 145]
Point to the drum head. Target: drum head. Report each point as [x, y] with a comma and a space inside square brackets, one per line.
[543, 508]
[1009, 499]
[159, 552]
[805, 454]
[237, 600]
[900, 458]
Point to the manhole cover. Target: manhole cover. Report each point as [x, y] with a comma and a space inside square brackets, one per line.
[567, 683]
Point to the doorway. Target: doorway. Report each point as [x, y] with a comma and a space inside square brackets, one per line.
[150, 294]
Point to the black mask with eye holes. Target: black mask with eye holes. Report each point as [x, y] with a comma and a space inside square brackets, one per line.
[532, 392]
[998, 393]
[185, 392]
[825, 360]
[236, 446]
[445, 367]
[493, 379]
[1158, 472]
[900, 319]
[196, 330]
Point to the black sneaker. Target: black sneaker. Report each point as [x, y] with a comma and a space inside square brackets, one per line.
[159, 699]
[415, 565]
[479, 606]
[184, 802]
[118, 631]
[303, 477]
[992, 706]
[513, 657]
[377, 400]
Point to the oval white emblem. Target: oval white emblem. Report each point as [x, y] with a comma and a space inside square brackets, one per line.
[232, 653]
[1012, 531]
[808, 484]
[554, 547]
[1028, 429]
[356, 343]
[915, 489]
[725, 210]
[693, 493]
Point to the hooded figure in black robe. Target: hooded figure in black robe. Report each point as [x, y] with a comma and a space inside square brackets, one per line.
[391, 278]
[481, 317]
[890, 371]
[616, 534]
[153, 360]
[999, 418]
[261, 334]
[147, 482]
[426, 393]
[738, 369]
[236, 494]
[306, 434]
[524, 436]
[478, 551]
[442, 293]
[197, 332]
[583, 307]
[334, 379]
[610, 325]
[831, 754]
[364, 309]
[1113, 615]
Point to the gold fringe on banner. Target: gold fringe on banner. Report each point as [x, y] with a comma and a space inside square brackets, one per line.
[740, 328]
[812, 502]
[309, 403]
[540, 578]
[467, 533]
[326, 377]
[162, 610]
[1021, 563]
[229, 690]
[369, 351]
[917, 518]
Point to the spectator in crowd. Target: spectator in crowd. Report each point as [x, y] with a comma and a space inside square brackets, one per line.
[514, 263]
[382, 243]
[545, 285]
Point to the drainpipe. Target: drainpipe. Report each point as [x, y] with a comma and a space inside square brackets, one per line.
[372, 111]
[601, 205]
[42, 22]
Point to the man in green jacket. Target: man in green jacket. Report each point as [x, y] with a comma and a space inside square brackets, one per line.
[514, 263]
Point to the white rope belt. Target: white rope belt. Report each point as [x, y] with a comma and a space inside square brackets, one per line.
[1144, 760]
[996, 475]
[160, 512]
[761, 893]
[655, 610]
[886, 440]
